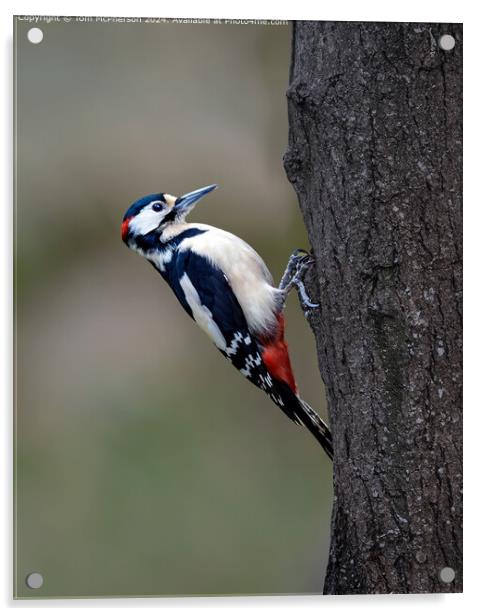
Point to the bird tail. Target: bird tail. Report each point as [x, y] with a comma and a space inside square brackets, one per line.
[311, 420]
[301, 413]
[277, 362]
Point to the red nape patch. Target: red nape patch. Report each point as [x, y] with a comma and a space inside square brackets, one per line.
[276, 358]
[125, 228]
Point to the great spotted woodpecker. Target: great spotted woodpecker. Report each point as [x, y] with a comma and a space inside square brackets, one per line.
[225, 286]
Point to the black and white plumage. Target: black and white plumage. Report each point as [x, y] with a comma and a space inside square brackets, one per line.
[225, 286]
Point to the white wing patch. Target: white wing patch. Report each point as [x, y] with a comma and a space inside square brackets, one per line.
[202, 315]
[245, 270]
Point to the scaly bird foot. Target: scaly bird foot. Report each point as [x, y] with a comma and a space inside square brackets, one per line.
[299, 262]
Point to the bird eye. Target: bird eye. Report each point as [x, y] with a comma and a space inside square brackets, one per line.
[157, 207]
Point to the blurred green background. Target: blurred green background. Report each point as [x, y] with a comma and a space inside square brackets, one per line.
[145, 465]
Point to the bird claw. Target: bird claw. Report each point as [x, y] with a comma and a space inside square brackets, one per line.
[298, 263]
[306, 304]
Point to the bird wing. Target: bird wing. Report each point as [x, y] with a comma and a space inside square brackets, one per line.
[205, 293]
[247, 273]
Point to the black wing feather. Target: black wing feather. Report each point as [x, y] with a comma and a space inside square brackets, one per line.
[242, 349]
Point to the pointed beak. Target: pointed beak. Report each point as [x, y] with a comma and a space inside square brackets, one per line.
[184, 204]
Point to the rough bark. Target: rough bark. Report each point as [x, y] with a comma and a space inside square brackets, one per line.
[374, 155]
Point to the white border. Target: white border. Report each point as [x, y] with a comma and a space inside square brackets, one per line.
[408, 10]
[349, 10]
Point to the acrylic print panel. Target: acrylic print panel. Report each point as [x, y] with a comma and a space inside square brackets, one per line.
[145, 464]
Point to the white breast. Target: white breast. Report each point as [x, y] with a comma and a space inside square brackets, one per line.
[245, 270]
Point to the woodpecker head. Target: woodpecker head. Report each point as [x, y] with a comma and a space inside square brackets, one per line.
[153, 213]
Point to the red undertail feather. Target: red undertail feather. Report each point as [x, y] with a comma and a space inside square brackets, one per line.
[276, 358]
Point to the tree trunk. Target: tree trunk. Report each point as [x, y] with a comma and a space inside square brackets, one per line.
[374, 155]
